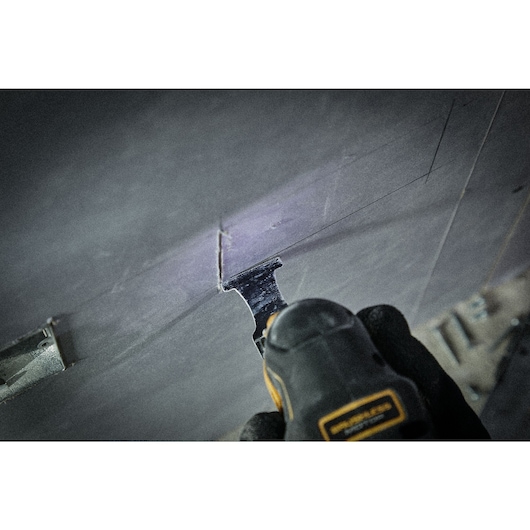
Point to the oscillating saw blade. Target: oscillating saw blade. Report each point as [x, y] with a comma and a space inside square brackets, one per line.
[258, 287]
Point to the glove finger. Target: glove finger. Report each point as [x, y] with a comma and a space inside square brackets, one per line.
[265, 426]
[452, 416]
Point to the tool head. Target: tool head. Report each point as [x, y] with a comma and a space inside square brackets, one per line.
[257, 286]
[325, 374]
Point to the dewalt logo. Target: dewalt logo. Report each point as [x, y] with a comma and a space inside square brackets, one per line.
[363, 418]
[355, 420]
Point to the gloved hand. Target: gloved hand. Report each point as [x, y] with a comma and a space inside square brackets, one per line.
[452, 417]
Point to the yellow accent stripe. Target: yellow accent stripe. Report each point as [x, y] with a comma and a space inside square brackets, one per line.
[274, 393]
[270, 320]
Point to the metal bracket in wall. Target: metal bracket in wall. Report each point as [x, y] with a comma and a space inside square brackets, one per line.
[471, 341]
[28, 360]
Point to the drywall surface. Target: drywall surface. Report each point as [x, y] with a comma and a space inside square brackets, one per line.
[113, 202]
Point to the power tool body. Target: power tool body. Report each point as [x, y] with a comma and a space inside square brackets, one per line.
[323, 371]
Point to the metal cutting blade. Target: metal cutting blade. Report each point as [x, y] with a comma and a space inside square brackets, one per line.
[258, 287]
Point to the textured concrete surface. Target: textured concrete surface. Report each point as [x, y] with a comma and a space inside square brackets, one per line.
[111, 205]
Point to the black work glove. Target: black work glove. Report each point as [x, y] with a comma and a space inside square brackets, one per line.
[452, 417]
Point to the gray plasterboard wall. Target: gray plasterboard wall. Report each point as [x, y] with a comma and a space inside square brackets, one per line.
[111, 203]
